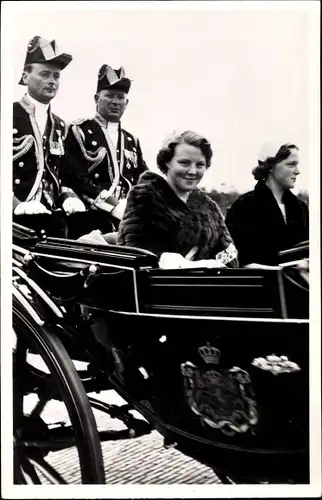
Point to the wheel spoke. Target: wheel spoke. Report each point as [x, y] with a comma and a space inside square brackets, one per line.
[59, 438]
[29, 471]
[48, 471]
[40, 405]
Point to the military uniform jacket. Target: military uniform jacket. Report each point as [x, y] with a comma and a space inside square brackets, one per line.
[36, 158]
[92, 163]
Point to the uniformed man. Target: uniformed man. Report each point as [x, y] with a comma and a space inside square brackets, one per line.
[40, 200]
[103, 160]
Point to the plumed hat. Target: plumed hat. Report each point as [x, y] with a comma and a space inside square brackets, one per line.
[109, 78]
[40, 50]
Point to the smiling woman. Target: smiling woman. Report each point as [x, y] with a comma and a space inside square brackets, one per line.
[168, 215]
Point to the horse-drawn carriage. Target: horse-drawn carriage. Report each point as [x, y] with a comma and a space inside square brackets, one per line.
[216, 360]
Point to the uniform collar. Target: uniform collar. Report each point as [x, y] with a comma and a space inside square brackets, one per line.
[38, 105]
[103, 122]
[31, 105]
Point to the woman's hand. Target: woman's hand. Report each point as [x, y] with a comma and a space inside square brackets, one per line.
[209, 263]
[301, 265]
[254, 265]
[94, 236]
[171, 260]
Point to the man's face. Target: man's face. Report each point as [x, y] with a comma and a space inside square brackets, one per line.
[42, 81]
[111, 104]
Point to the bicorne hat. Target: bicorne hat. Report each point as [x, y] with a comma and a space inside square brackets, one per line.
[40, 50]
[109, 78]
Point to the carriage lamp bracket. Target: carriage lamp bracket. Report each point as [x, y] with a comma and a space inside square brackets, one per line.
[169, 443]
[27, 258]
[93, 271]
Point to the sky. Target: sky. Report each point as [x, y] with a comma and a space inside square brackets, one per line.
[238, 76]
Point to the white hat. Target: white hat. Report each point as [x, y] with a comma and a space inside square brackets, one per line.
[270, 150]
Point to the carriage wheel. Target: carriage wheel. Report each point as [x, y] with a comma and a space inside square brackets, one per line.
[38, 443]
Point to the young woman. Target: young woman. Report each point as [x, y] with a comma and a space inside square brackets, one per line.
[168, 215]
[270, 218]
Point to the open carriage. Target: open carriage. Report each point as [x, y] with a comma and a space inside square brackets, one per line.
[216, 360]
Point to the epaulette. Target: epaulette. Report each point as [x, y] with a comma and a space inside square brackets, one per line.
[79, 121]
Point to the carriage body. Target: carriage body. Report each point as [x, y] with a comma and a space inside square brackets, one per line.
[216, 360]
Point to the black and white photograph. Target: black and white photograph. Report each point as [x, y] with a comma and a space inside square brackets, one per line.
[160, 327]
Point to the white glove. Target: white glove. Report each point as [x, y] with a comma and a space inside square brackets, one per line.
[94, 236]
[254, 265]
[72, 205]
[169, 260]
[211, 263]
[300, 265]
[31, 208]
[172, 260]
[119, 210]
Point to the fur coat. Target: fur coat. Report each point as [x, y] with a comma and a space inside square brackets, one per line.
[157, 220]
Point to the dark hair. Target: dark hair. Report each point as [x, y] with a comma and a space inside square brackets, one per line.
[28, 68]
[167, 151]
[261, 171]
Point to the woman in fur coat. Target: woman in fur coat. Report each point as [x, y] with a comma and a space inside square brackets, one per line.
[270, 218]
[168, 215]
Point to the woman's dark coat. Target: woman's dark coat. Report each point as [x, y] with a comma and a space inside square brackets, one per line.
[157, 220]
[257, 226]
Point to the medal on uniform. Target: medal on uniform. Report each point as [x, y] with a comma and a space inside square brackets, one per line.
[56, 147]
[60, 142]
[131, 158]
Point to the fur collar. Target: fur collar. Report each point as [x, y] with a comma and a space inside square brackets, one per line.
[158, 186]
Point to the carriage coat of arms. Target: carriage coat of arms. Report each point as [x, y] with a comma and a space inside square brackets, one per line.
[222, 398]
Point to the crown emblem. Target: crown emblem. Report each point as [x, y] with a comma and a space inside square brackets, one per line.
[209, 354]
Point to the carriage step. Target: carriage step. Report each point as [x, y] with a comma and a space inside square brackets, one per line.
[135, 427]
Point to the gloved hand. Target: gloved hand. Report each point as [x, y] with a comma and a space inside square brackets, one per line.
[31, 208]
[119, 210]
[94, 236]
[72, 205]
[211, 263]
[171, 260]
[255, 265]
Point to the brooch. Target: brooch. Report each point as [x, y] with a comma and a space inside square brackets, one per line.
[276, 364]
